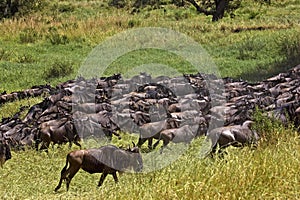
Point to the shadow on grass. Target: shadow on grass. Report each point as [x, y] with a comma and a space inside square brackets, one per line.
[262, 73]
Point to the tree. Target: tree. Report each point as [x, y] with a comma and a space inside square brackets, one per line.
[216, 8]
[11, 8]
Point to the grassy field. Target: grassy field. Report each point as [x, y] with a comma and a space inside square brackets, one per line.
[269, 172]
[50, 46]
[259, 41]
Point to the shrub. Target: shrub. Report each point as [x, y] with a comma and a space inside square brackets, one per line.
[117, 3]
[28, 35]
[289, 48]
[5, 54]
[269, 128]
[57, 38]
[12, 8]
[58, 69]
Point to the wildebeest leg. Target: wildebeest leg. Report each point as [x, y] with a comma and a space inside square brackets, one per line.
[102, 178]
[150, 140]
[77, 143]
[141, 141]
[71, 172]
[117, 134]
[213, 150]
[45, 146]
[166, 141]
[115, 177]
[221, 153]
[46, 139]
[155, 144]
[2, 161]
[63, 176]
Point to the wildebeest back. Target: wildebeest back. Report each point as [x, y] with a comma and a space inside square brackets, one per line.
[116, 158]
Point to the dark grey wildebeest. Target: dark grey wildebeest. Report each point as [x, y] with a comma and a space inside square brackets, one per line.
[236, 135]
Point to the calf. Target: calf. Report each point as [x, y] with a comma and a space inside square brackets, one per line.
[184, 134]
[151, 130]
[106, 160]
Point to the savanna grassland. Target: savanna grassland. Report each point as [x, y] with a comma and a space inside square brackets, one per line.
[49, 46]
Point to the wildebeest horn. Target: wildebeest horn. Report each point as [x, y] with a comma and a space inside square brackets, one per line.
[133, 144]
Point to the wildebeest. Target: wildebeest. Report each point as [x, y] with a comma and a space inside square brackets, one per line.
[237, 136]
[151, 130]
[58, 135]
[4, 152]
[107, 159]
[184, 134]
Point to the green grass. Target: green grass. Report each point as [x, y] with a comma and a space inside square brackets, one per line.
[67, 31]
[9, 109]
[269, 172]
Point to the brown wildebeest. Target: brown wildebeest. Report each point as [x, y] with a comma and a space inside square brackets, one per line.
[58, 135]
[4, 152]
[151, 130]
[237, 136]
[106, 160]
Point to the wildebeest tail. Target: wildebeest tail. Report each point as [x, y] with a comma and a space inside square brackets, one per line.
[65, 167]
[37, 139]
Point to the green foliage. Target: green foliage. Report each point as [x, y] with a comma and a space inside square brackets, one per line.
[59, 69]
[271, 130]
[289, 48]
[28, 35]
[4, 54]
[56, 38]
[12, 8]
[9, 109]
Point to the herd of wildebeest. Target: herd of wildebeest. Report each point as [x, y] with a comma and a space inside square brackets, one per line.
[168, 109]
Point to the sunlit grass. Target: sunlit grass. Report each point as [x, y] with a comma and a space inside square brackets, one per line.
[267, 172]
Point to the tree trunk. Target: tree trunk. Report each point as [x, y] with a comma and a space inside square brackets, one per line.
[217, 14]
[199, 9]
[221, 6]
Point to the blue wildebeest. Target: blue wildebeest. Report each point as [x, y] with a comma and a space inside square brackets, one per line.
[106, 160]
[236, 135]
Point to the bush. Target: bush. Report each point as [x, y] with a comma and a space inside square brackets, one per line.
[28, 35]
[12, 8]
[57, 38]
[270, 129]
[58, 69]
[117, 3]
[290, 48]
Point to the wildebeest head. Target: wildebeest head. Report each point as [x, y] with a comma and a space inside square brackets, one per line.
[4, 152]
[139, 166]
